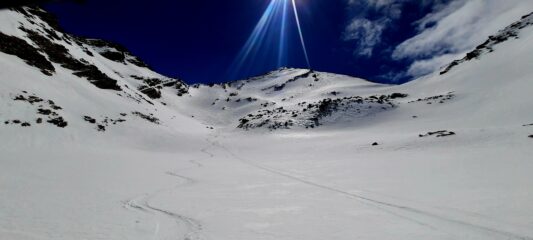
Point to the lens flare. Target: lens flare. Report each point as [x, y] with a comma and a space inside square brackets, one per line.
[282, 36]
[261, 42]
[300, 32]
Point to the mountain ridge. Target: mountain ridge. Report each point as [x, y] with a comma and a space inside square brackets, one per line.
[281, 99]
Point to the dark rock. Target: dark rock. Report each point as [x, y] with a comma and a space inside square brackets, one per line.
[44, 111]
[89, 119]
[20, 98]
[375, 144]
[441, 133]
[121, 54]
[39, 121]
[55, 107]
[279, 87]
[243, 122]
[151, 92]
[100, 128]
[34, 99]
[88, 52]
[58, 121]
[20, 48]
[59, 54]
[398, 95]
[25, 124]
[146, 117]
[114, 56]
[531, 136]
[509, 32]
[48, 18]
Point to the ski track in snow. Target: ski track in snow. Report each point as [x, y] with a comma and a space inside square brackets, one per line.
[142, 203]
[428, 219]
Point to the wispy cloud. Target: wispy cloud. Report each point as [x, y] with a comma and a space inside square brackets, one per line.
[366, 34]
[448, 31]
[456, 28]
[369, 18]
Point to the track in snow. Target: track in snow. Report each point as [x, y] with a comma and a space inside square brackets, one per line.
[454, 226]
[142, 203]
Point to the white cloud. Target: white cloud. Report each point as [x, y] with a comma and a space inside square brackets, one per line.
[366, 33]
[456, 29]
[427, 66]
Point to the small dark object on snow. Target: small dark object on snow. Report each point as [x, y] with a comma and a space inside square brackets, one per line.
[25, 124]
[442, 133]
[55, 107]
[59, 122]
[100, 128]
[375, 144]
[19, 98]
[146, 117]
[89, 119]
[44, 111]
[446, 134]
[39, 120]
[531, 136]
[398, 95]
[16, 121]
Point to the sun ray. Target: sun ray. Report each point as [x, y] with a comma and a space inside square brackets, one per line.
[300, 32]
[283, 37]
[273, 21]
[255, 39]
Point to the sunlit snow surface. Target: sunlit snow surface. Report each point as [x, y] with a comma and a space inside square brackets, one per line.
[181, 180]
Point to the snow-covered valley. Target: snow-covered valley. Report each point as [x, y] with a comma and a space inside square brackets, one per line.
[122, 152]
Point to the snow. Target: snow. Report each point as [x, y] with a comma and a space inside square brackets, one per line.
[183, 180]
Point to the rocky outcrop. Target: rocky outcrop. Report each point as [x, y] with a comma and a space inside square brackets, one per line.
[510, 32]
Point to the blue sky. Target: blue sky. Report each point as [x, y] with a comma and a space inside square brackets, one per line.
[388, 41]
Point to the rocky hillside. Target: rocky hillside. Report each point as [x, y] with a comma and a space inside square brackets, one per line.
[305, 99]
[54, 68]
[510, 32]
[44, 70]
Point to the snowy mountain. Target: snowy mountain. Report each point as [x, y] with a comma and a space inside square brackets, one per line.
[96, 145]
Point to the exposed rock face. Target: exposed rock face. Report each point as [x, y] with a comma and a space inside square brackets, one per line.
[509, 32]
[312, 115]
[114, 52]
[60, 55]
[45, 44]
[152, 86]
[15, 46]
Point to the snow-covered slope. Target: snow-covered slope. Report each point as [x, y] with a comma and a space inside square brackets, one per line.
[55, 80]
[303, 99]
[95, 145]
[287, 99]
